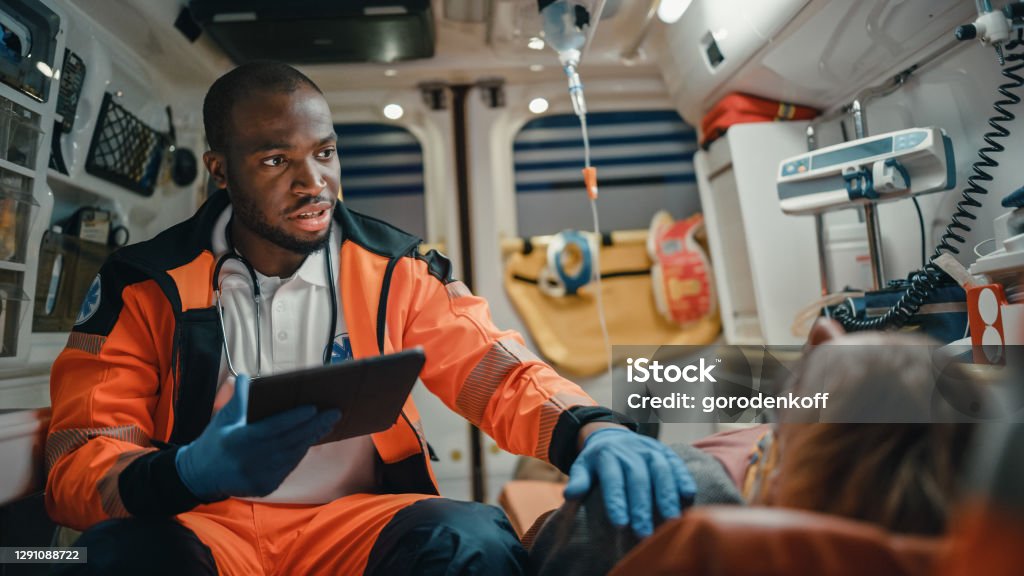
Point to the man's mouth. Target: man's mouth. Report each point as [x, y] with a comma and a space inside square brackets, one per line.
[310, 215]
[311, 210]
[312, 218]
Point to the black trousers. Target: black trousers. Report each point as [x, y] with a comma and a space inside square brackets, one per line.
[431, 537]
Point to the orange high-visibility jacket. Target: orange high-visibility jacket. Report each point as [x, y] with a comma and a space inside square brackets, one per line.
[139, 373]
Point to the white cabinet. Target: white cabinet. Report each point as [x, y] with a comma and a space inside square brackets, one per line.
[766, 263]
[30, 60]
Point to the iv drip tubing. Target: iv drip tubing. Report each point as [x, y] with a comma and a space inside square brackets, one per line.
[579, 105]
[600, 303]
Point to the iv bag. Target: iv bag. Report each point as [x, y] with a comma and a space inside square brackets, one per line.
[560, 27]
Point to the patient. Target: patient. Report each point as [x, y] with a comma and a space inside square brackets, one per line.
[888, 466]
[900, 476]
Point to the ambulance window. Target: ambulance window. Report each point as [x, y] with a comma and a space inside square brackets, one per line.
[644, 162]
[382, 174]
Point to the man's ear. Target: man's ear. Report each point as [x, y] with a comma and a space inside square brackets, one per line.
[216, 164]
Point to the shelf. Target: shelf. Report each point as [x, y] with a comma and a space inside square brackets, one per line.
[88, 190]
[17, 169]
[73, 190]
[23, 100]
[25, 123]
[57, 176]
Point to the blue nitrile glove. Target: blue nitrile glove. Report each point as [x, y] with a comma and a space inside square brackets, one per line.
[234, 458]
[630, 468]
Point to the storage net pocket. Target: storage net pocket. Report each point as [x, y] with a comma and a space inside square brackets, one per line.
[124, 150]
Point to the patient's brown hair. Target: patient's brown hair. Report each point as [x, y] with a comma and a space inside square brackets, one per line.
[902, 476]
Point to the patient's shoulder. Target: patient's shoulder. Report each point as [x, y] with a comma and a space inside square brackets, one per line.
[733, 448]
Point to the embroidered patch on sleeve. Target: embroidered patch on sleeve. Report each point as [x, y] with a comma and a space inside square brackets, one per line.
[91, 303]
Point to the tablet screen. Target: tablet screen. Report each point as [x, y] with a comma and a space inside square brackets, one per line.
[369, 392]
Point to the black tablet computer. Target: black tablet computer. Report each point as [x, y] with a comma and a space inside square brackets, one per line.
[369, 392]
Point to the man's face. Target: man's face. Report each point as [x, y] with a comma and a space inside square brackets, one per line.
[281, 167]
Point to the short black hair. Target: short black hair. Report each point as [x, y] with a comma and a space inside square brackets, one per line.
[226, 91]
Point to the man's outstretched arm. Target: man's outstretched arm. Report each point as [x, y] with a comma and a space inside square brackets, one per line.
[490, 377]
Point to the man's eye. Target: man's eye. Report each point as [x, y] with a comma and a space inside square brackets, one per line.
[275, 161]
[326, 153]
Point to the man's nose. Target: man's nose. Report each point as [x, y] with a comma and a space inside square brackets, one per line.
[309, 178]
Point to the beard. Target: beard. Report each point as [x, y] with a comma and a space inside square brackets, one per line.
[251, 217]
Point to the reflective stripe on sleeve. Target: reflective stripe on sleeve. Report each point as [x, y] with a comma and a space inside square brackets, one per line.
[62, 442]
[550, 411]
[91, 343]
[110, 493]
[504, 356]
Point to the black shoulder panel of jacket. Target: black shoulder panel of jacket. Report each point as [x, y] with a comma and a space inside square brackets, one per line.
[375, 235]
[564, 445]
[151, 487]
[438, 265]
[103, 302]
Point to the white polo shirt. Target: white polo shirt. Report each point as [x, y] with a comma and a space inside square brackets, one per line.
[294, 319]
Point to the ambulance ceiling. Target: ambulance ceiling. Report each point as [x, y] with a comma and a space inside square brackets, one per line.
[472, 39]
[819, 53]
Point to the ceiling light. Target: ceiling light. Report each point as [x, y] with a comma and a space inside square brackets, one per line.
[536, 67]
[670, 11]
[538, 105]
[536, 43]
[391, 72]
[393, 111]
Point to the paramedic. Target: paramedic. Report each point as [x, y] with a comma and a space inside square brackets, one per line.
[149, 450]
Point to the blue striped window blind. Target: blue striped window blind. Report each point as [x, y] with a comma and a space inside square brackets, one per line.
[382, 174]
[644, 162]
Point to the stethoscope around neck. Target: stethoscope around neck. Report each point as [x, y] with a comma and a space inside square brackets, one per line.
[257, 297]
